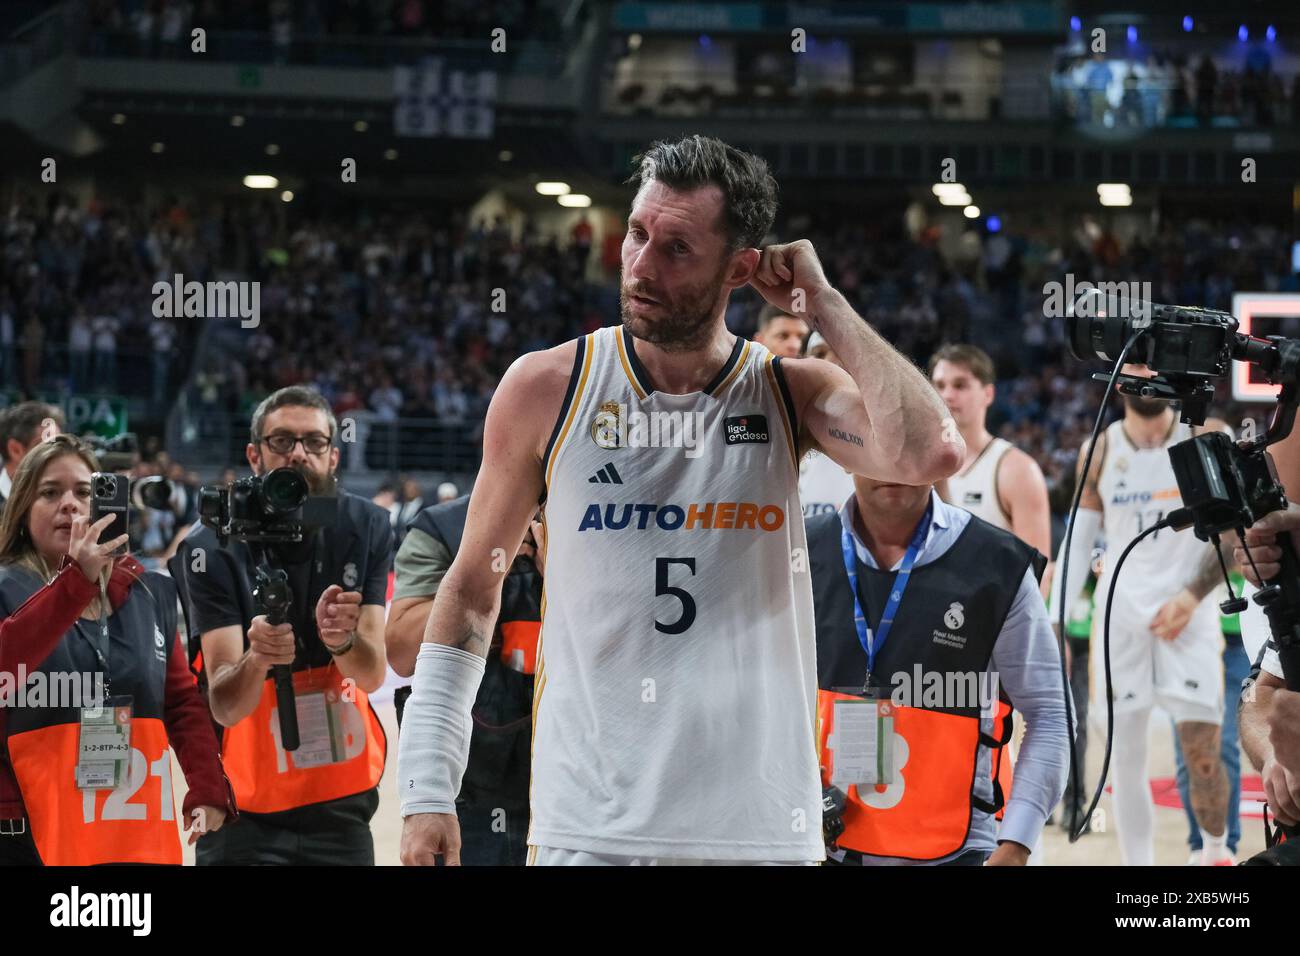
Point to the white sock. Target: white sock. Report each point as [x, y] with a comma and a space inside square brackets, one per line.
[1213, 848]
[1131, 792]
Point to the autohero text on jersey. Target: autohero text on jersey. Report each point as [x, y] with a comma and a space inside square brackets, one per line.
[711, 515]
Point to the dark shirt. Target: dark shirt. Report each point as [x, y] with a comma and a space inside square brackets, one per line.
[355, 554]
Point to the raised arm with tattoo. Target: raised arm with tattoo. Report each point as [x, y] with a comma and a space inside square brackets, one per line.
[880, 418]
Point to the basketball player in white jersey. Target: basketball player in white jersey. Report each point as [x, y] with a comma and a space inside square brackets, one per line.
[780, 334]
[823, 485]
[997, 482]
[676, 687]
[1165, 642]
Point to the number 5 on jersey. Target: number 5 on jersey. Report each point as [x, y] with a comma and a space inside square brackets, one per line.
[662, 587]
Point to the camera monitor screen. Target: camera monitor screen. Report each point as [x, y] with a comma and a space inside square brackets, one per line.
[1262, 314]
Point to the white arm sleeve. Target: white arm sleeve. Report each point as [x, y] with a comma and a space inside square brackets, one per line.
[433, 744]
[1086, 525]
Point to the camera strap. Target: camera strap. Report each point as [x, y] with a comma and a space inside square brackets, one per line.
[98, 638]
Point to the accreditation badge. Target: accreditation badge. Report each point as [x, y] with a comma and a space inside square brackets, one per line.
[864, 742]
[104, 745]
[320, 729]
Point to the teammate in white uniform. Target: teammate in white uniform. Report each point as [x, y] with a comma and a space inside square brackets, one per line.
[997, 482]
[674, 715]
[779, 333]
[823, 485]
[1171, 657]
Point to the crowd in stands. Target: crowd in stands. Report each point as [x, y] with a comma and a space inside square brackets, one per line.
[162, 27]
[75, 302]
[398, 313]
[1162, 89]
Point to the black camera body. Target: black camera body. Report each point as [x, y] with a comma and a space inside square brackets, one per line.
[1224, 485]
[275, 508]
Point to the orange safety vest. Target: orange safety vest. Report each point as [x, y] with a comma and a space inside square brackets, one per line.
[266, 778]
[136, 823]
[925, 814]
[519, 645]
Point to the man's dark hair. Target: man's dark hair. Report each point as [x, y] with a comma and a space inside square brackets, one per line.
[298, 396]
[22, 422]
[770, 313]
[748, 189]
[975, 359]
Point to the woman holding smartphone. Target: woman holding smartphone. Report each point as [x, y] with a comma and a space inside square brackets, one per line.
[99, 685]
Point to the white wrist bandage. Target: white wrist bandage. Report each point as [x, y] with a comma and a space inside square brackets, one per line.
[433, 744]
[1087, 525]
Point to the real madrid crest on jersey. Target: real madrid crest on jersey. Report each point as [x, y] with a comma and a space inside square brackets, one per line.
[606, 427]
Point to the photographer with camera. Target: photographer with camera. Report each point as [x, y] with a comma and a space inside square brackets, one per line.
[73, 605]
[1171, 657]
[1269, 718]
[311, 804]
[22, 428]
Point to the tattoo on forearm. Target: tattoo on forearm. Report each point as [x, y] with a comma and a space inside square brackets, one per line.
[474, 641]
[846, 436]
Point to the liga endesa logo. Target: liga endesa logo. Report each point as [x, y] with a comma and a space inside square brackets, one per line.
[700, 516]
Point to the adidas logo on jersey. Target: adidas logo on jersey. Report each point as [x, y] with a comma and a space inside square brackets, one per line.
[606, 476]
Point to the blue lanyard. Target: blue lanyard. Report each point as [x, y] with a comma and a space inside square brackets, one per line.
[865, 637]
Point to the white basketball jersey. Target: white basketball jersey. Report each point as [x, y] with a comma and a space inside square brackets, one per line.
[675, 707]
[1137, 489]
[823, 485]
[976, 487]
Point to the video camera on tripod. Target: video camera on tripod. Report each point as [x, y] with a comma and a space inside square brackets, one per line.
[261, 511]
[1225, 485]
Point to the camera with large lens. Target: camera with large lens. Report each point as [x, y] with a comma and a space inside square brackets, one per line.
[1224, 485]
[115, 454]
[275, 508]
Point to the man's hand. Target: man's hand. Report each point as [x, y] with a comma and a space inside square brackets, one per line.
[1284, 728]
[1009, 854]
[337, 614]
[1282, 791]
[1174, 615]
[1261, 539]
[786, 267]
[427, 836]
[270, 645]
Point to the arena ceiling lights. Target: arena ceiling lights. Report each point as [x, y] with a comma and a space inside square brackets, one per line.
[552, 189]
[951, 194]
[260, 181]
[1114, 194]
[574, 200]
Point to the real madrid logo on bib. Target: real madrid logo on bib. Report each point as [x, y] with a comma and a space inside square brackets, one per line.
[955, 616]
[605, 429]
